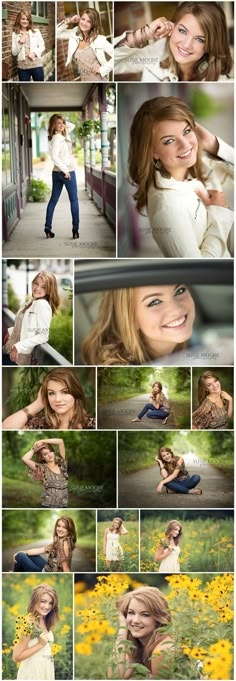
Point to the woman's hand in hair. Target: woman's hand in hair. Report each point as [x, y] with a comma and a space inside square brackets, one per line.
[159, 28]
[213, 197]
[207, 141]
[225, 395]
[159, 461]
[73, 20]
[37, 445]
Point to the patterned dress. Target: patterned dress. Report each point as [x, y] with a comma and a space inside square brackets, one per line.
[56, 555]
[210, 415]
[55, 493]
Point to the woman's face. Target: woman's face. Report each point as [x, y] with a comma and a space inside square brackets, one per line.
[44, 605]
[61, 529]
[156, 387]
[24, 22]
[165, 315]
[48, 455]
[116, 524]
[140, 622]
[174, 532]
[39, 288]
[59, 398]
[176, 146]
[59, 125]
[213, 385]
[85, 23]
[187, 41]
[166, 456]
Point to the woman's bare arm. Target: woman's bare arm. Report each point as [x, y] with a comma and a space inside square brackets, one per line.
[27, 459]
[20, 418]
[22, 652]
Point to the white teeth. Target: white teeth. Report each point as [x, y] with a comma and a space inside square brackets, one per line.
[186, 54]
[187, 153]
[177, 322]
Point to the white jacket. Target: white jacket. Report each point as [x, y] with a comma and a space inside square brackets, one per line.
[182, 226]
[36, 41]
[60, 149]
[100, 45]
[35, 326]
[146, 60]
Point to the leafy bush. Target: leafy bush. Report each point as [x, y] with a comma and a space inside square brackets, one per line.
[38, 191]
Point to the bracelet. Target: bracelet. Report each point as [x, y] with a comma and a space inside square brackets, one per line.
[27, 412]
[140, 43]
[152, 32]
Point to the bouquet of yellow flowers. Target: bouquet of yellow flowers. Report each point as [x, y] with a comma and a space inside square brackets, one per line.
[25, 626]
[163, 541]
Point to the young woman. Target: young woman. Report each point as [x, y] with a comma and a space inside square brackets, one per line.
[111, 545]
[137, 325]
[215, 405]
[63, 173]
[59, 552]
[157, 407]
[167, 553]
[51, 470]
[32, 323]
[28, 46]
[32, 646]
[143, 615]
[186, 192]
[194, 46]
[175, 476]
[61, 399]
[87, 46]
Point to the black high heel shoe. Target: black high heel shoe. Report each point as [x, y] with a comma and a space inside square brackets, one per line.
[49, 233]
[75, 233]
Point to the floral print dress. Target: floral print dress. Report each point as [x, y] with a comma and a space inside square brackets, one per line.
[55, 493]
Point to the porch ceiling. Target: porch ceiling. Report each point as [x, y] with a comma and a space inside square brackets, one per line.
[57, 96]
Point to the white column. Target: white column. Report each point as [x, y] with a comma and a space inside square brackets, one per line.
[104, 139]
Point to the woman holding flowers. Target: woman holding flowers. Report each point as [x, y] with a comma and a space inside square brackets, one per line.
[112, 548]
[167, 553]
[141, 638]
[34, 637]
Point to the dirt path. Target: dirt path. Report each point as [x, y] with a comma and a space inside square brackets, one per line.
[138, 490]
[119, 414]
[80, 561]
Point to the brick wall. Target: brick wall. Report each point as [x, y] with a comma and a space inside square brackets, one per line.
[9, 63]
[62, 48]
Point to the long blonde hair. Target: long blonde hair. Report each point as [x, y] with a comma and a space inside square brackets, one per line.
[115, 337]
[170, 527]
[52, 125]
[142, 170]
[202, 389]
[17, 26]
[217, 59]
[51, 294]
[96, 28]
[53, 616]
[157, 606]
[66, 376]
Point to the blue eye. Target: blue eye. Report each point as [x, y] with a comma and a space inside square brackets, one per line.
[187, 131]
[201, 40]
[154, 302]
[169, 141]
[182, 30]
[180, 290]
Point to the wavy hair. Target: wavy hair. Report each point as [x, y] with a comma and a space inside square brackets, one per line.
[202, 389]
[51, 294]
[53, 616]
[141, 167]
[170, 527]
[67, 377]
[217, 59]
[17, 27]
[117, 529]
[158, 608]
[52, 125]
[170, 466]
[96, 28]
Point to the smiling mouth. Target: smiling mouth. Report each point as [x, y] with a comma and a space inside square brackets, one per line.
[186, 154]
[177, 323]
[183, 52]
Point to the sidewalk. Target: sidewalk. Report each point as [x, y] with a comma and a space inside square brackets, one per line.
[97, 239]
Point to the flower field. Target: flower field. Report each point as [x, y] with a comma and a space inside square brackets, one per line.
[17, 589]
[129, 543]
[202, 626]
[206, 545]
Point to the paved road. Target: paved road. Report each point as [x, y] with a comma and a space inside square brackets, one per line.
[80, 562]
[119, 414]
[138, 490]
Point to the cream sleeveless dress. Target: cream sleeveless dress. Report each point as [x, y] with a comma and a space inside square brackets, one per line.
[171, 562]
[114, 550]
[40, 665]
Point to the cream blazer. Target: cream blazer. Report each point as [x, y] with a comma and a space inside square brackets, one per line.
[36, 41]
[100, 46]
[35, 326]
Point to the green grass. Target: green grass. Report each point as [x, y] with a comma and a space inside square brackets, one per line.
[129, 543]
[206, 544]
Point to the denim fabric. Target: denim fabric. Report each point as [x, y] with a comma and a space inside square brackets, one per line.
[183, 486]
[154, 413]
[37, 74]
[6, 361]
[58, 182]
[28, 563]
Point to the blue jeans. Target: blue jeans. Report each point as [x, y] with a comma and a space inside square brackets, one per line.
[6, 360]
[155, 413]
[37, 74]
[28, 563]
[182, 486]
[58, 182]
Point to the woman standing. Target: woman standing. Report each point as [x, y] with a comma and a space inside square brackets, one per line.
[49, 469]
[34, 637]
[111, 545]
[194, 46]
[188, 194]
[157, 407]
[215, 405]
[63, 173]
[32, 323]
[87, 46]
[167, 553]
[175, 476]
[60, 403]
[28, 46]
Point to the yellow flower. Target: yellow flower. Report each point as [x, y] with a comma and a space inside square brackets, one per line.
[83, 649]
[55, 648]
[93, 638]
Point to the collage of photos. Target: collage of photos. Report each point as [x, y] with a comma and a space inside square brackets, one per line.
[118, 321]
